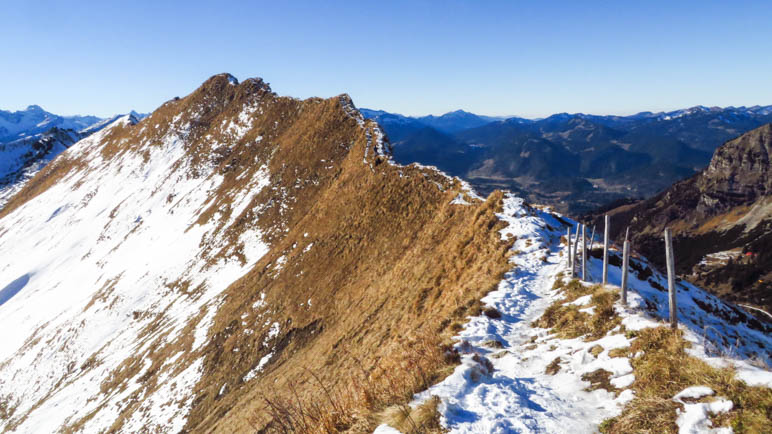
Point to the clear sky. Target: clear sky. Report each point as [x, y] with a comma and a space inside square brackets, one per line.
[526, 58]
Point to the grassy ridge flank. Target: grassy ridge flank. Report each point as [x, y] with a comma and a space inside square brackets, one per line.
[391, 261]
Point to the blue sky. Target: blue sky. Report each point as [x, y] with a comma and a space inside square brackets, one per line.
[415, 57]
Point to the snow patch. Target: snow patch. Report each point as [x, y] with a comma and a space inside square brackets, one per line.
[257, 369]
[693, 392]
[695, 418]
[459, 200]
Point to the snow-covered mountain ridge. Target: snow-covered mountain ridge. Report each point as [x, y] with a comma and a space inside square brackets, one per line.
[23, 158]
[461, 115]
[166, 272]
[237, 248]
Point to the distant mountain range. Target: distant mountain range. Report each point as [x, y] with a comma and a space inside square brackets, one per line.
[576, 162]
[34, 120]
[451, 122]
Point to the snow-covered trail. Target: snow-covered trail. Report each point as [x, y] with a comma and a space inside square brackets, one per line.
[517, 395]
[501, 385]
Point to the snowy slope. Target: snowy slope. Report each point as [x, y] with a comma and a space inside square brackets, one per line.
[24, 157]
[126, 269]
[125, 252]
[516, 395]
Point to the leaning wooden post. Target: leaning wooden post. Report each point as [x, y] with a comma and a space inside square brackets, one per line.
[605, 249]
[671, 290]
[592, 237]
[625, 262]
[568, 244]
[584, 253]
[576, 247]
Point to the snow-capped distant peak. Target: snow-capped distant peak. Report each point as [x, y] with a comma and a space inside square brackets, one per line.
[35, 120]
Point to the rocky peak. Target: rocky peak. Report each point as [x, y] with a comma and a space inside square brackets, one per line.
[739, 172]
[221, 89]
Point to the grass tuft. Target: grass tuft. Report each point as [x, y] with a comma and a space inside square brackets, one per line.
[595, 350]
[554, 367]
[568, 321]
[422, 419]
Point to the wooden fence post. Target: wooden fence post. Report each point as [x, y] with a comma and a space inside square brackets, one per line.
[584, 253]
[576, 246]
[625, 262]
[568, 244]
[671, 290]
[592, 237]
[605, 249]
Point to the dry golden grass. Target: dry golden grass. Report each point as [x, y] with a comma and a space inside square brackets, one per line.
[599, 379]
[644, 415]
[723, 221]
[619, 352]
[554, 367]
[595, 350]
[425, 418]
[665, 369]
[392, 260]
[7, 408]
[331, 413]
[368, 399]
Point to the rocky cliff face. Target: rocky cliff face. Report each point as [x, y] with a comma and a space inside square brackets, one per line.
[721, 218]
[738, 174]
